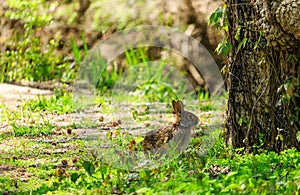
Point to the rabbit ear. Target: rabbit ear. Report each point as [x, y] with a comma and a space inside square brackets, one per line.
[181, 106]
[174, 104]
[177, 111]
[178, 107]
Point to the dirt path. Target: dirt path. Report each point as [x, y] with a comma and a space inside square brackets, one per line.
[12, 96]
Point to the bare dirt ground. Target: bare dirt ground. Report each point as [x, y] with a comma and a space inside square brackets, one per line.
[12, 96]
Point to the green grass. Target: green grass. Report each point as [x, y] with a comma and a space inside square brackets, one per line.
[262, 173]
[57, 104]
[38, 130]
[29, 165]
[32, 166]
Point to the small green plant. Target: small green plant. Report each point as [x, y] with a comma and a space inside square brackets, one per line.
[108, 80]
[156, 91]
[70, 71]
[39, 130]
[203, 95]
[125, 141]
[58, 104]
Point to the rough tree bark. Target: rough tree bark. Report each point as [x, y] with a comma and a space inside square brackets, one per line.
[263, 79]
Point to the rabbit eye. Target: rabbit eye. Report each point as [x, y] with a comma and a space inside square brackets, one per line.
[189, 116]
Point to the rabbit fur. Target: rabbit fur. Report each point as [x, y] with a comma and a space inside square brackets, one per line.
[175, 137]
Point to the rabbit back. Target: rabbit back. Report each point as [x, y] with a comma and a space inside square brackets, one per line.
[157, 138]
[173, 137]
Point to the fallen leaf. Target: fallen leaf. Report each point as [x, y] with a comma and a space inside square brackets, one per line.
[69, 130]
[64, 162]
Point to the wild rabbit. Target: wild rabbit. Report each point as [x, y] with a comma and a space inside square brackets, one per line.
[175, 137]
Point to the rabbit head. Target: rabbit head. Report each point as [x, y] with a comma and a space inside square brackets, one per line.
[184, 118]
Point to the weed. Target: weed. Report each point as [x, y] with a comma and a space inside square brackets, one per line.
[39, 130]
[57, 104]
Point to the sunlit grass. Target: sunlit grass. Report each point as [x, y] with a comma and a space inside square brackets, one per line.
[56, 104]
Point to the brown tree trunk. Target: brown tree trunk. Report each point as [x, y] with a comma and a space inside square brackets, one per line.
[264, 72]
